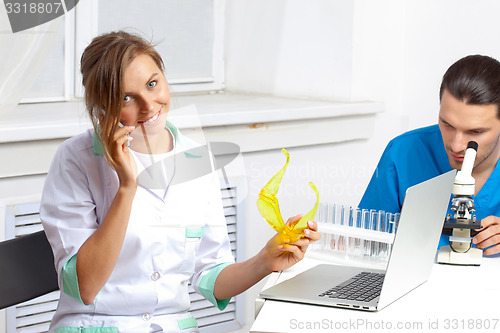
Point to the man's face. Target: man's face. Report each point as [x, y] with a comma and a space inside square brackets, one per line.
[460, 123]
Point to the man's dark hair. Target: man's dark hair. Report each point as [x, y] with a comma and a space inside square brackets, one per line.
[474, 79]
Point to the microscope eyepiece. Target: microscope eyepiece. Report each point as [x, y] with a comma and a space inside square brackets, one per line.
[473, 145]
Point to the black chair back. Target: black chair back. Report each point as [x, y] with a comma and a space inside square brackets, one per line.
[26, 269]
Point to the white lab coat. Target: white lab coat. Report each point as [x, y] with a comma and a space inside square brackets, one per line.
[149, 283]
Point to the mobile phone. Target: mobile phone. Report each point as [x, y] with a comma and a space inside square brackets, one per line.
[128, 134]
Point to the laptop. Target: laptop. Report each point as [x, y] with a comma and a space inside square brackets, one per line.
[410, 262]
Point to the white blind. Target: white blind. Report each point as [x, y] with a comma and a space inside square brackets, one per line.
[184, 30]
[50, 83]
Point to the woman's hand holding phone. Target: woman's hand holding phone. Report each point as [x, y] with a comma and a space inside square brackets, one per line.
[126, 167]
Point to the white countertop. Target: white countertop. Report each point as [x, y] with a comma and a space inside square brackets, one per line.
[455, 299]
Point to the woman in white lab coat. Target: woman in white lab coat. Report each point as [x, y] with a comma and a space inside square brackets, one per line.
[125, 252]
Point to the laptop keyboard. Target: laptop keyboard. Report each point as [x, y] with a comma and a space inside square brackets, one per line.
[364, 287]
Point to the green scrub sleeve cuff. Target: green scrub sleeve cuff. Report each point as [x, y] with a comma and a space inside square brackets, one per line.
[207, 285]
[70, 279]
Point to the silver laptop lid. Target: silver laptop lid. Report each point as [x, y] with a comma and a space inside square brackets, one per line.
[424, 210]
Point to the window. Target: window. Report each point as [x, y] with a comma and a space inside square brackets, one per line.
[188, 35]
[50, 84]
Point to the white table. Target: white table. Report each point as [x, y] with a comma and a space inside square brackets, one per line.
[454, 299]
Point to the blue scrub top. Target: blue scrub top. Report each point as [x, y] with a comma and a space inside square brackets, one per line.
[412, 158]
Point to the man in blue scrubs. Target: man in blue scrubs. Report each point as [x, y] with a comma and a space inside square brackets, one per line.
[470, 111]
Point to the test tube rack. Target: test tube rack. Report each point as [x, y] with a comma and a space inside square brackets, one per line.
[358, 236]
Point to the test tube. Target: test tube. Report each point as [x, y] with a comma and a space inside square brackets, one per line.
[333, 214]
[358, 241]
[328, 209]
[373, 219]
[392, 224]
[366, 225]
[332, 239]
[320, 219]
[396, 221]
[330, 243]
[380, 227]
[344, 220]
[351, 243]
[392, 230]
[351, 216]
[387, 228]
[373, 226]
[321, 210]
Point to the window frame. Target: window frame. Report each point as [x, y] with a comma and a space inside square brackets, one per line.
[81, 26]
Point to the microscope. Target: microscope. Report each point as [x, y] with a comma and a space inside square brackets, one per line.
[461, 226]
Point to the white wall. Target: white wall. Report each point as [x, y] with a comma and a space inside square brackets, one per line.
[290, 48]
[403, 48]
[393, 51]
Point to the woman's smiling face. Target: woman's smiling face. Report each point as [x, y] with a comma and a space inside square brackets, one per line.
[146, 96]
